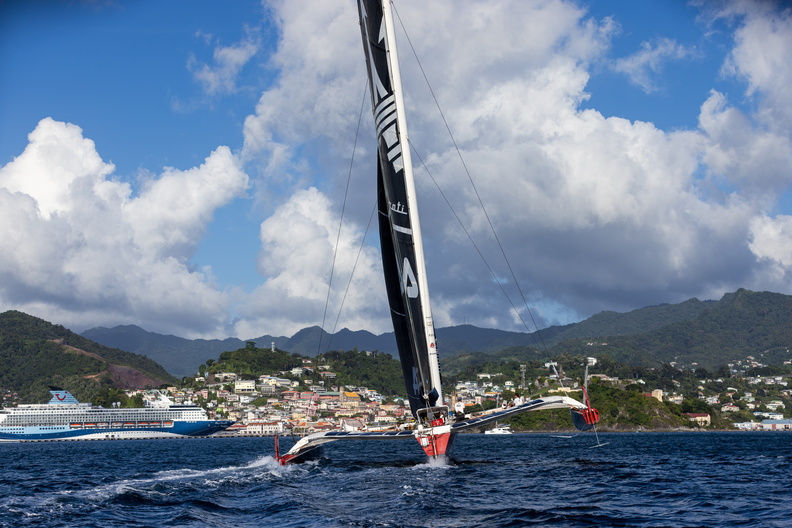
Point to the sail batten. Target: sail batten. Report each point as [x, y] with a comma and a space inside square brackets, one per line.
[400, 233]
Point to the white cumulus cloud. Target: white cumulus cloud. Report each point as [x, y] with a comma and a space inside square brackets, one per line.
[643, 67]
[220, 77]
[301, 245]
[84, 250]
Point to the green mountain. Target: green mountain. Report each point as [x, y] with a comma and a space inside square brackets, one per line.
[710, 333]
[638, 321]
[741, 324]
[35, 353]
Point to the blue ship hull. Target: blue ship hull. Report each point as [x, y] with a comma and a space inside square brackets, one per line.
[179, 429]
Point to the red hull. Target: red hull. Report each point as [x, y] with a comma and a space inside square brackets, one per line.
[435, 444]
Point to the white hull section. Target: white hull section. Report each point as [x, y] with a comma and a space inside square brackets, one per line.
[499, 431]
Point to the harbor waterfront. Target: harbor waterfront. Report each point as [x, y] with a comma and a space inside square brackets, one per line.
[686, 479]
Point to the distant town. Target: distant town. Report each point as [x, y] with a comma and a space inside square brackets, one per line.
[292, 402]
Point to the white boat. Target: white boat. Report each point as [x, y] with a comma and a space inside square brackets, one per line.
[404, 265]
[499, 429]
[65, 418]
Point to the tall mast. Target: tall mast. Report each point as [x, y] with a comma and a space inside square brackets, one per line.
[403, 258]
[409, 180]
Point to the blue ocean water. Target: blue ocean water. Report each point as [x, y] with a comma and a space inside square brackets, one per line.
[636, 480]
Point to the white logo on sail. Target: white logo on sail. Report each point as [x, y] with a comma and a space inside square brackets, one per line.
[409, 282]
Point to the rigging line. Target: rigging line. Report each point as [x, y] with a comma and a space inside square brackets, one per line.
[475, 190]
[473, 242]
[560, 381]
[341, 220]
[352, 274]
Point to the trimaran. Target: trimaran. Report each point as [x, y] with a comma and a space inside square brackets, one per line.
[405, 270]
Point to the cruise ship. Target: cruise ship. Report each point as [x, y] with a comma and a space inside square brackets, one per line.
[65, 418]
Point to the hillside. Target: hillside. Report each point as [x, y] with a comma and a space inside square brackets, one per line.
[638, 321]
[741, 324]
[620, 410]
[378, 371]
[35, 353]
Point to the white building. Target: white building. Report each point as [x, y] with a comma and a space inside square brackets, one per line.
[244, 386]
[264, 428]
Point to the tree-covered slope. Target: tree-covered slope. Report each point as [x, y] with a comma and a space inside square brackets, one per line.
[741, 324]
[376, 371]
[34, 353]
[640, 321]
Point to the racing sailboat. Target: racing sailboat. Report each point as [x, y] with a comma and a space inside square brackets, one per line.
[404, 266]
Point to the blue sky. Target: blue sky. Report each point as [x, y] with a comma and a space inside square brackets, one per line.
[181, 165]
[677, 89]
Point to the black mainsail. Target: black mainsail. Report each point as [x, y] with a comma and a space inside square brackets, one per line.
[400, 232]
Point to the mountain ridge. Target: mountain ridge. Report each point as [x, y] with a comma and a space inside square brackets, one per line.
[706, 334]
[181, 356]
